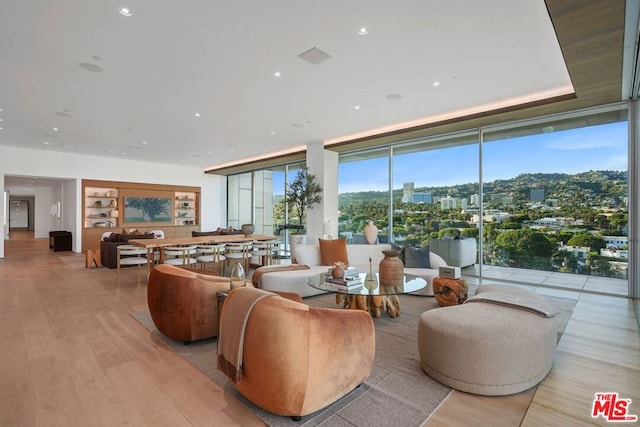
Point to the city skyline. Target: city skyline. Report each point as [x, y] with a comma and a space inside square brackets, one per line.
[602, 147]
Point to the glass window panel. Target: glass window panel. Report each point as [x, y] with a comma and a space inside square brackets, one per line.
[436, 189]
[555, 197]
[363, 193]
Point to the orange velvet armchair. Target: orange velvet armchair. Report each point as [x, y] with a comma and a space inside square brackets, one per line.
[298, 359]
[183, 303]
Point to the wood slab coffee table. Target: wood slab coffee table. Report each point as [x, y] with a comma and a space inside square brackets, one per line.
[372, 296]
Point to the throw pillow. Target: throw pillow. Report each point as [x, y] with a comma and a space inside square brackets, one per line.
[417, 257]
[332, 251]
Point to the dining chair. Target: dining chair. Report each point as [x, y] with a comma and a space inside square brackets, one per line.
[180, 255]
[211, 253]
[130, 255]
[263, 250]
[238, 252]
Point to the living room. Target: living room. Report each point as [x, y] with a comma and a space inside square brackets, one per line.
[82, 319]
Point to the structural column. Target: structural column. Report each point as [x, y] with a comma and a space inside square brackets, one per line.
[322, 219]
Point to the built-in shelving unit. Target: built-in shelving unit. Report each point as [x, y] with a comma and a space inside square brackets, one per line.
[185, 209]
[100, 207]
[103, 209]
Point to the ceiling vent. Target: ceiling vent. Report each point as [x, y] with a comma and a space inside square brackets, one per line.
[314, 55]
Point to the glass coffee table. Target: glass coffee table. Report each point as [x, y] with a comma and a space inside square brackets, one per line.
[372, 296]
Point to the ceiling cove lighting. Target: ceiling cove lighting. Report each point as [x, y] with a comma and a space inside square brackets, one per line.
[125, 11]
[525, 99]
[299, 148]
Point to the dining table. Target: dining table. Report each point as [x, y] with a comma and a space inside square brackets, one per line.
[151, 245]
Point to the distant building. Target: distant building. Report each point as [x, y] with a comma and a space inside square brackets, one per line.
[448, 202]
[407, 192]
[475, 200]
[422, 198]
[616, 242]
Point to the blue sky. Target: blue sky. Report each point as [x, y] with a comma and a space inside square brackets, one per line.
[602, 147]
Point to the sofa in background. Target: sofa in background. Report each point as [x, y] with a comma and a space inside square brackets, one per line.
[299, 359]
[109, 246]
[458, 252]
[358, 256]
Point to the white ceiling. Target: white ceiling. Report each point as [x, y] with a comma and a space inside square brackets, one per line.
[171, 60]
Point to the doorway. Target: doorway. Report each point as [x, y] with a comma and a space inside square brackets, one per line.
[19, 214]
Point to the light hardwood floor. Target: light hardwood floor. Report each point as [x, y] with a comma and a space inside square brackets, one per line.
[74, 356]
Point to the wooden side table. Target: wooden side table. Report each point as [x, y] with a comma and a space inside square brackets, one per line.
[450, 291]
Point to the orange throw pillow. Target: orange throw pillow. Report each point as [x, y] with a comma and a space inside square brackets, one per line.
[332, 251]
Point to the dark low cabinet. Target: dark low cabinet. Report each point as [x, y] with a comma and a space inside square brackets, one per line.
[60, 241]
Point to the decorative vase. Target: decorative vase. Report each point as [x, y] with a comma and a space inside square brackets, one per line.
[391, 269]
[248, 229]
[237, 277]
[370, 233]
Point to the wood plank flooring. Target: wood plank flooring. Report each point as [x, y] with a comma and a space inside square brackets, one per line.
[74, 356]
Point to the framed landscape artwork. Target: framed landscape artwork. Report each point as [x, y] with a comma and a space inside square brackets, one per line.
[147, 209]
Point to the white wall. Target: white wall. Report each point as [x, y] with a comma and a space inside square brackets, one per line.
[68, 166]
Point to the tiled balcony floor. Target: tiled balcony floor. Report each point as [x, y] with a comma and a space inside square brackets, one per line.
[548, 279]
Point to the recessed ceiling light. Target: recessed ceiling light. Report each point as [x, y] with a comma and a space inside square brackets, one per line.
[47, 143]
[197, 114]
[1, 120]
[56, 129]
[357, 107]
[363, 30]
[277, 74]
[125, 11]
[394, 96]
[272, 133]
[143, 142]
[111, 152]
[1, 128]
[209, 152]
[435, 84]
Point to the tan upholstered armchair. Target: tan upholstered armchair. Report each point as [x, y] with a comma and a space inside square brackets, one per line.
[299, 359]
[183, 302]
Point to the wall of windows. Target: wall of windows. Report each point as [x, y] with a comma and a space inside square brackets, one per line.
[540, 197]
[546, 195]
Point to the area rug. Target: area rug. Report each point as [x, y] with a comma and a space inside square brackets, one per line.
[397, 391]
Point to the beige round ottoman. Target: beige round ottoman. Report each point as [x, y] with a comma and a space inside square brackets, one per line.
[487, 348]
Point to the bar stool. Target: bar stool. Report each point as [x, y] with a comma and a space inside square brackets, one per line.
[211, 253]
[180, 255]
[238, 252]
[263, 249]
[130, 255]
